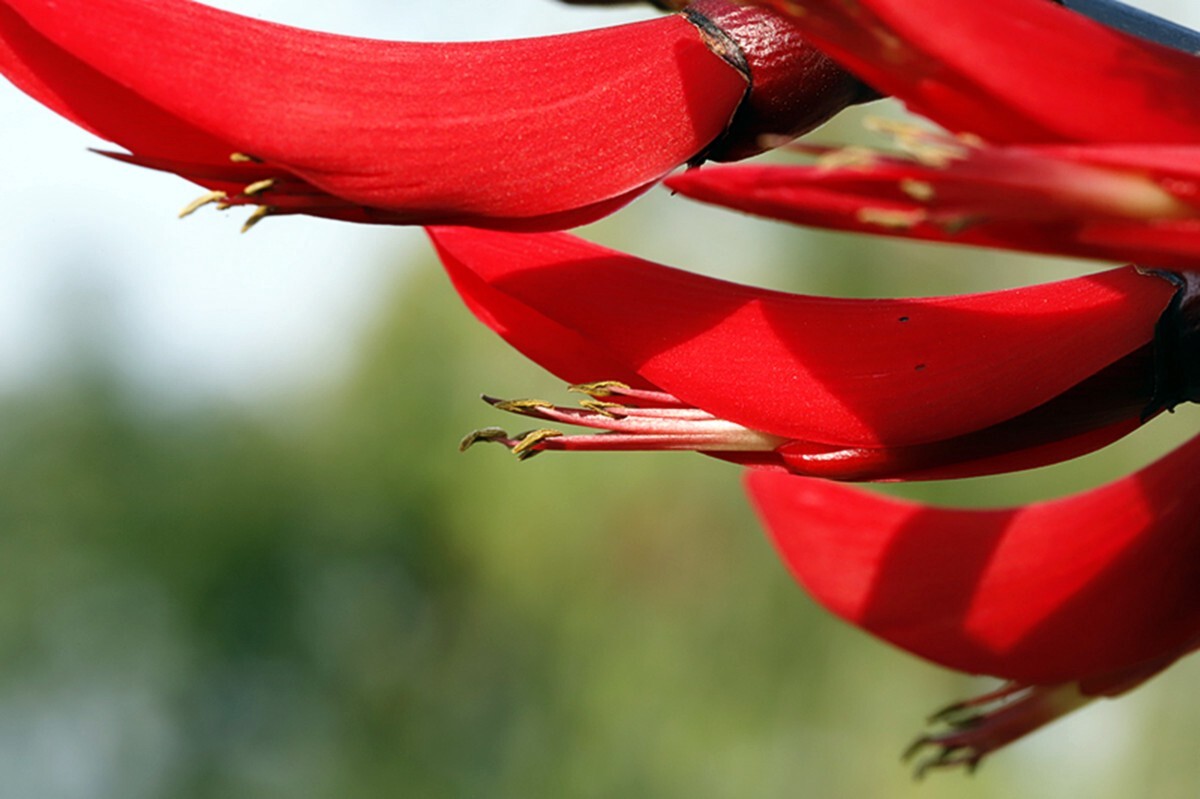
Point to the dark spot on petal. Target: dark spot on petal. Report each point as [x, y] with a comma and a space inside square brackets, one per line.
[903, 318]
[919, 367]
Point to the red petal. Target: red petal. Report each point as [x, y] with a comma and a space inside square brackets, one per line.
[558, 349]
[1011, 70]
[496, 131]
[847, 372]
[1083, 201]
[1092, 414]
[68, 86]
[1091, 586]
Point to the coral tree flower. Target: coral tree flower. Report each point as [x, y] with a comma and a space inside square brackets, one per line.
[1069, 599]
[1011, 71]
[536, 133]
[936, 387]
[1137, 203]
[1113, 179]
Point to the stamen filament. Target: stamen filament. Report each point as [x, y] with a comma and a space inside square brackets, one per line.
[669, 424]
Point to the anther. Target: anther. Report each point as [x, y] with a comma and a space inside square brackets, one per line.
[893, 219]
[603, 388]
[483, 434]
[201, 201]
[602, 408]
[920, 190]
[926, 146]
[854, 157]
[260, 213]
[258, 187]
[524, 448]
[527, 407]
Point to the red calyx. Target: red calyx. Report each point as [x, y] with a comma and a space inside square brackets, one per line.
[794, 87]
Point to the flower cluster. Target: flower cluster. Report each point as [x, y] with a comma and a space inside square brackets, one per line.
[1059, 134]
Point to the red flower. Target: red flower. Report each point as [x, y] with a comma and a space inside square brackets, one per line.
[1079, 597]
[849, 389]
[1068, 600]
[1011, 70]
[537, 133]
[1128, 192]
[1119, 202]
[999, 72]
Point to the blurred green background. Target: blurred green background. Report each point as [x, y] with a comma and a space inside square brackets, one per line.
[315, 595]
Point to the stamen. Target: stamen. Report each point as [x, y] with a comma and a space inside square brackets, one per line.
[483, 434]
[614, 388]
[659, 422]
[925, 145]
[242, 158]
[260, 213]
[525, 407]
[602, 408]
[524, 449]
[201, 201]
[601, 388]
[979, 726]
[258, 187]
[854, 157]
[920, 190]
[892, 218]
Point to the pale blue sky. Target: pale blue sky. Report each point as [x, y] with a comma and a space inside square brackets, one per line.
[194, 306]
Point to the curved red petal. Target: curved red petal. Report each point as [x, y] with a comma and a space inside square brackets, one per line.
[73, 89]
[1090, 415]
[511, 130]
[556, 348]
[836, 371]
[1090, 587]
[1011, 70]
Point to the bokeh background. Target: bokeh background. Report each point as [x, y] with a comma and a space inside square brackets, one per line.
[240, 555]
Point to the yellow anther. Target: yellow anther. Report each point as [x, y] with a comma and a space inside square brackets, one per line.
[242, 158]
[260, 213]
[602, 408]
[483, 434]
[891, 218]
[934, 154]
[919, 190]
[926, 146]
[258, 187]
[525, 447]
[847, 158]
[525, 406]
[896, 128]
[603, 388]
[201, 201]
